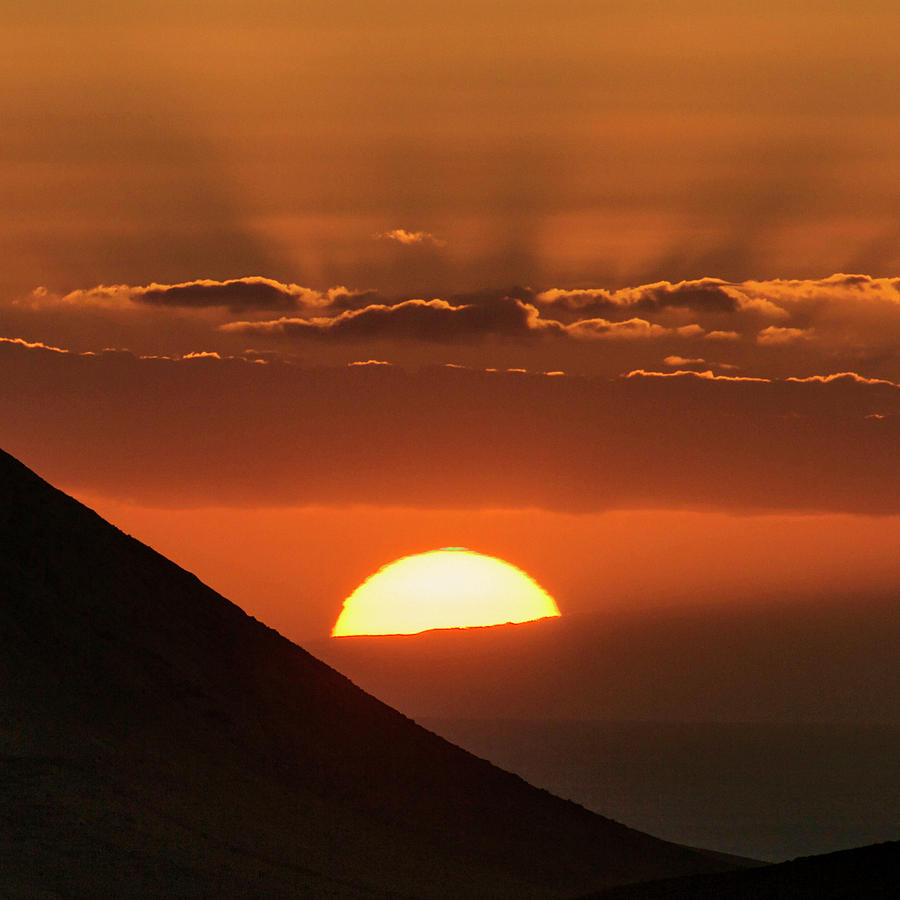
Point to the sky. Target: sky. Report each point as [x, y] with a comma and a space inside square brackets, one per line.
[609, 289]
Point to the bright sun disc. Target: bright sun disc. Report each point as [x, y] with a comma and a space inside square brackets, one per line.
[448, 588]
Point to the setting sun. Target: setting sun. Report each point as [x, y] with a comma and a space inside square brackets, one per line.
[448, 588]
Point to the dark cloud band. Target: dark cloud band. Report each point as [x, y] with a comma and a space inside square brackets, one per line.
[242, 433]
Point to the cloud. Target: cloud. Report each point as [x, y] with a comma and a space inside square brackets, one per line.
[775, 336]
[834, 288]
[706, 375]
[600, 329]
[124, 353]
[515, 370]
[844, 310]
[705, 295]
[236, 294]
[440, 321]
[775, 328]
[682, 361]
[458, 438]
[841, 377]
[32, 345]
[423, 320]
[830, 312]
[410, 238]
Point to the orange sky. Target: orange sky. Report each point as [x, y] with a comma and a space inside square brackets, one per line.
[292, 567]
[554, 144]
[601, 194]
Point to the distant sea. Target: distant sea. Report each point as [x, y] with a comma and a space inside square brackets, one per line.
[767, 791]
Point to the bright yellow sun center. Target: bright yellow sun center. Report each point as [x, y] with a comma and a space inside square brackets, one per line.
[449, 588]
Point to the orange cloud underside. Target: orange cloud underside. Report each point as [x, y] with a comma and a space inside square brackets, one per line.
[448, 588]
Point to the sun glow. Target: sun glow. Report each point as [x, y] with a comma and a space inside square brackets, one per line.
[448, 588]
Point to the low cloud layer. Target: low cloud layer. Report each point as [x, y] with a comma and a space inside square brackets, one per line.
[440, 321]
[775, 328]
[205, 430]
[422, 320]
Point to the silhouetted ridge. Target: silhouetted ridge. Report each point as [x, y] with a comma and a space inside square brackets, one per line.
[871, 872]
[159, 740]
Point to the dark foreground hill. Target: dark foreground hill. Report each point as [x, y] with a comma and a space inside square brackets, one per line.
[866, 873]
[157, 741]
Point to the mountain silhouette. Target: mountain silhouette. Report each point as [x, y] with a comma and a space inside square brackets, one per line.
[871, 872]
[157, 741]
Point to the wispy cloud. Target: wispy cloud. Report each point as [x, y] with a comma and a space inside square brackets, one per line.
[775, 336]
[410, 238]
[683, 361]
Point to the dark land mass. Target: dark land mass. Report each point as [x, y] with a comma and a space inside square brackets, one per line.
[157, 741]
[769, 791]
[866, 873]
[765, 726]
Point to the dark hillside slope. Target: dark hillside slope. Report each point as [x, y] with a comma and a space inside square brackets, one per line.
[872, 873]
[158, 741]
